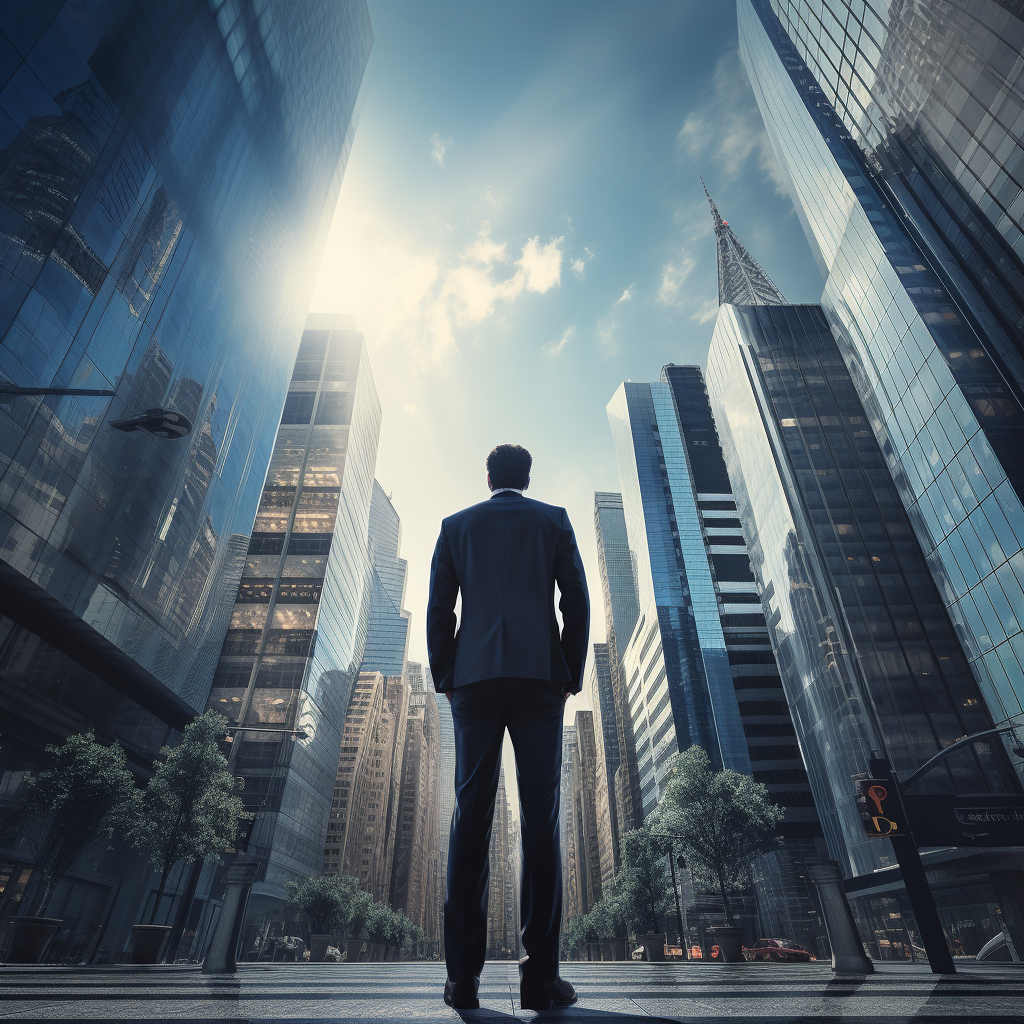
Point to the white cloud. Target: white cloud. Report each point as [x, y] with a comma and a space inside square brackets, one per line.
[554, 348]
[673, 274]
[708, 311]
[578, 264]
[625, 296]
[438, 148]
[726, 127]
[418, 299]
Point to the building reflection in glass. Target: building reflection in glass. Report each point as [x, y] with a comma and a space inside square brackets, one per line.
[865, 647]
[299, 624]
[920, 291]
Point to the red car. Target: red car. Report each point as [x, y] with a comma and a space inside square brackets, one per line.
[779, 950]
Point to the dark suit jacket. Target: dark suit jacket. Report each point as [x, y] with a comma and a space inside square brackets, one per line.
[505, 555]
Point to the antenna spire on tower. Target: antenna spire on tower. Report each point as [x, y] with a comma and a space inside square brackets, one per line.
[741, 281]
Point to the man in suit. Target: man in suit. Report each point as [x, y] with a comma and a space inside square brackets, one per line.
[507, 667]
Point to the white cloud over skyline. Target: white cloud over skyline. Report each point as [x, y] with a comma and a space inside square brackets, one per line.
[438, 148]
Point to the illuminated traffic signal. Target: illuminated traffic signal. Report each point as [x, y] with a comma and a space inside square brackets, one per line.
[880, 809]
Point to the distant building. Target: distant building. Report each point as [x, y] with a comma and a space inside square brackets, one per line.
[296, 635]
[584, 786]
[415, 876]
[617, 567]
[502, 899]
[446, 731]
[601, 695]
[387, 638]
[572, 902]
[679, 684]
[359, 832]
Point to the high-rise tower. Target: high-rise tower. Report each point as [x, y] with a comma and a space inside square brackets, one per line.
[897, 173]
[298, 627]
[617, 567]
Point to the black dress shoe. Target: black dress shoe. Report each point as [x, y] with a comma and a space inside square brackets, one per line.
[547, 996]
[461, 995]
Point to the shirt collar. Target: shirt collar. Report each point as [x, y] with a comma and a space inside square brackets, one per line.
[506, 490]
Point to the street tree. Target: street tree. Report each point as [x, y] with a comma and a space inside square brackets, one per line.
[324, 903]
[86, 794]
[642, 884]
[190, 810]
[720, 821]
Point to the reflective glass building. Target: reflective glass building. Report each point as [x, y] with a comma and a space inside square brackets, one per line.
[865, 646]
[387, 637]
[299, 624]
[601, 695]
[167, 178]
[617, 568]
[676, 668]
[906, 195]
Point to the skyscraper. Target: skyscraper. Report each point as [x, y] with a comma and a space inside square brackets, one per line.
[387, 638]
[502, 926]
[166, 189]
[588, 847]
[906, 196]
[359, 835]
[677, 673]
[446, 733]
[785, 903]
[298, 627]
[617, 567]
[415, 876]
[571, 902]
[606, 745]
[867, 654]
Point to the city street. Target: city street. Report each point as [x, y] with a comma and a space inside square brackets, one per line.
[608, 993]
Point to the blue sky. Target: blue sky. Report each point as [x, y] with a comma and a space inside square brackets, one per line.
[522, 227]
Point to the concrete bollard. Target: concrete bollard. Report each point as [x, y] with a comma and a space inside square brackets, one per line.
[848, 956]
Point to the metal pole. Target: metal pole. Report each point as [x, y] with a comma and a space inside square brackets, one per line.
[916, 881]
[675, 892]
[13, 389]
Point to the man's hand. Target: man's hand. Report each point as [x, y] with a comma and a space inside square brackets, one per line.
[448, 694]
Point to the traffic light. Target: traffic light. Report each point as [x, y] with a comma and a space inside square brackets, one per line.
[880, 809]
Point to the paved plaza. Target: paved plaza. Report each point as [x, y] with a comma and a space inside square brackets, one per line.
[609, 994]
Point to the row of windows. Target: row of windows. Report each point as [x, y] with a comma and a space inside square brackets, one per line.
[299, 544]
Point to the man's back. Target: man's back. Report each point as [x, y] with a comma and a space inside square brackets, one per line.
[506, 555]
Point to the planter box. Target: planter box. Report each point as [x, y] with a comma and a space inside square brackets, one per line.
[353, 948]
[147, 942]
[28, 938]
[730, 943]
[654, 946]
[318, 948]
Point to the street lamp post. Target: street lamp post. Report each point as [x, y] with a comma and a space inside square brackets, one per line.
[163, 423]
[675, 888]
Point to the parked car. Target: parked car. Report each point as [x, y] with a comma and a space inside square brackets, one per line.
[778, 950]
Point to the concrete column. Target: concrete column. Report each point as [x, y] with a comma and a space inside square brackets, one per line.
[848, 956]
[221, 958]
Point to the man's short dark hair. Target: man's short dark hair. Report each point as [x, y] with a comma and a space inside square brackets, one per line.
[508, 465]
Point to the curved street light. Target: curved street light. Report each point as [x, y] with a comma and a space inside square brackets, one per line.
[163, 423]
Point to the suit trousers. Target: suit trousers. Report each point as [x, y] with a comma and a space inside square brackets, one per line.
[532, 714]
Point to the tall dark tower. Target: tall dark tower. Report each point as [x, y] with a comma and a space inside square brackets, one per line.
[741, 281]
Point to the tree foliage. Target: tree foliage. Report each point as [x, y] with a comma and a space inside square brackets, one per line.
[643, 887]
[87, 793]
[325, 903]
[720, 821]
[189, 809]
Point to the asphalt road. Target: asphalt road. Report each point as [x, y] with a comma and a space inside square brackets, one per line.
[610, 993]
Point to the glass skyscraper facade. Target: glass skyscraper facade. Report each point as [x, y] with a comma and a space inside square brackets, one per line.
[866, 649]
[387, 638]
[617, 568]
[167, 178]
[676, 668]
[921, 252]
[298, 629]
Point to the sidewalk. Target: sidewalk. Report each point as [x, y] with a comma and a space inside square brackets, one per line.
[611, 993]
